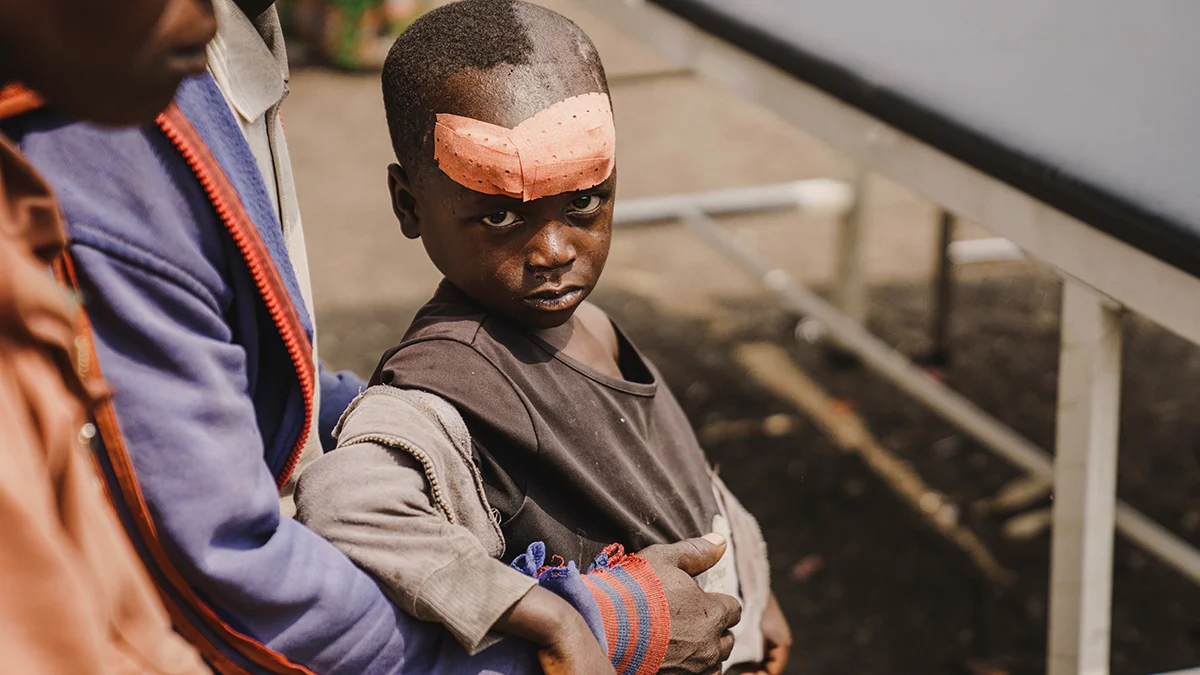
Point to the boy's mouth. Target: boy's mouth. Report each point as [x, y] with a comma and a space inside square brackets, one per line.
[554, 300]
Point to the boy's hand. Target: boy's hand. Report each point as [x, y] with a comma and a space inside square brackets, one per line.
[777, 637]
[575, 652]
[700, 622]
[566, 644]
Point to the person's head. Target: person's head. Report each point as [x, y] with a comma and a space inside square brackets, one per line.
[534, 256]
[113, 62]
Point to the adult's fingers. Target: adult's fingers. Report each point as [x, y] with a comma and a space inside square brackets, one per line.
[693, 556]
[725, 644]
[731, 609]
[697, 555]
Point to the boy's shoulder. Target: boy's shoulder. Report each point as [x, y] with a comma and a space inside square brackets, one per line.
[450, 315]
[450, 332]
[445, 317]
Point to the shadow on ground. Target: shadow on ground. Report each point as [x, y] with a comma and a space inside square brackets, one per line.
[868, 587]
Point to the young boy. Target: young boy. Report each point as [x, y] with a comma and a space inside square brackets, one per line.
[501, 120]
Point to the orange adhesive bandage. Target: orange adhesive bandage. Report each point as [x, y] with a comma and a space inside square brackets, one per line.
[567, 147]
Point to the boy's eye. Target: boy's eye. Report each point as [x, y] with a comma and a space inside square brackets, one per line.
[586, 204]
[500, 219]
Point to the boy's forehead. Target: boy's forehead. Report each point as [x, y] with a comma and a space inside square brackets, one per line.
[510, 94]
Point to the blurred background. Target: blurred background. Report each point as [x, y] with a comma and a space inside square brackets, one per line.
[869, 581]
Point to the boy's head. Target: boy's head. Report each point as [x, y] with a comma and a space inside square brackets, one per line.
[110, 62]
[520, 220]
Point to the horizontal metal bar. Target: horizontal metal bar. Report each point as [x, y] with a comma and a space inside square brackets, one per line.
[891, 363]
[991, 249]
[821, 195]
[954, 407]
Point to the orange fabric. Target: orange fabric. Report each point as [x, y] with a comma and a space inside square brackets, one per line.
[76, 598]
[567, 147]
[16, 99]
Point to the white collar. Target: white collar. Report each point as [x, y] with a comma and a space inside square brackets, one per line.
[248, 60]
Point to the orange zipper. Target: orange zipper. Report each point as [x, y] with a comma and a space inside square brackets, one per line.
[266, 277]
[16, 99]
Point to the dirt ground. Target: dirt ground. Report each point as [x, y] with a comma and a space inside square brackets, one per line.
[870, 588]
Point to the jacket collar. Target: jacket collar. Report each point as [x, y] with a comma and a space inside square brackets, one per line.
[248, 60]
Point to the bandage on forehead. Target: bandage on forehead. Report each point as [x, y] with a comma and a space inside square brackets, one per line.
[567, 147]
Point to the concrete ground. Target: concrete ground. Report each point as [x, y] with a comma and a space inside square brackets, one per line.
[868, 586]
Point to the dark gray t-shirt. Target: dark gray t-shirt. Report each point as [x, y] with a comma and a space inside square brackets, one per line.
[569, 456]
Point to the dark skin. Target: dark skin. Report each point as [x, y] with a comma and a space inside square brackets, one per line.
[112, 63]
[569, 648]
[254, 8]
[536, 263]
[777, 643]
[777, 636]
[565, 641]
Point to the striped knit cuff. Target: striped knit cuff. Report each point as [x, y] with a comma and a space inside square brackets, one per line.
[633, 605]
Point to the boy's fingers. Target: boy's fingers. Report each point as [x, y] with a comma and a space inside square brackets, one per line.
[777, 658]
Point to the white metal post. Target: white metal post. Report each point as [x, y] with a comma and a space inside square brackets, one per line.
[1085, 481]
[850, 289]
[943, 292]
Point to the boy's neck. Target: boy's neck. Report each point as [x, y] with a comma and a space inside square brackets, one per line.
[591, 342]
[558, 337]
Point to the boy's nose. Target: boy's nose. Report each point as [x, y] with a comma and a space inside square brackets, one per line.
[551, 249]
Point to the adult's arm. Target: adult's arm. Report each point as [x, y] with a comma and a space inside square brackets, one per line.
[338, 389]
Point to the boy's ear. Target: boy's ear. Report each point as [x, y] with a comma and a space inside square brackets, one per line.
[404, 205]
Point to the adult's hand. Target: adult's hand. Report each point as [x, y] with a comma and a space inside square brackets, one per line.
[700, 622]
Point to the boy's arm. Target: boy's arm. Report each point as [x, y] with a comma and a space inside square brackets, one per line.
[432, 547]
[565, 641]
[372, 502]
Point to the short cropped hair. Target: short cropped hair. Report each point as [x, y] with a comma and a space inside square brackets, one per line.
[466, 35]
